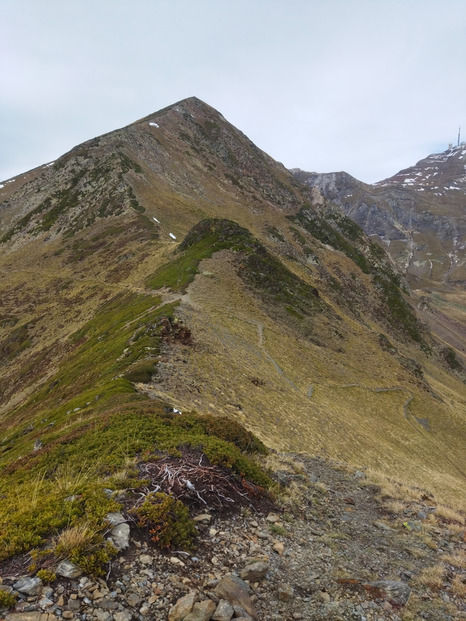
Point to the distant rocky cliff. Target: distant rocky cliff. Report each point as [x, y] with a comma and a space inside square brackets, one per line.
[419, 214]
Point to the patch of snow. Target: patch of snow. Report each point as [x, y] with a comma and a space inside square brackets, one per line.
[154, 125]
[172, 236]
[49, 164]
[156, 219]
[1, 186]
[419, 189]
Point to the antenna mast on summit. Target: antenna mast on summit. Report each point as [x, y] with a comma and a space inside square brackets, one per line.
[459, 135]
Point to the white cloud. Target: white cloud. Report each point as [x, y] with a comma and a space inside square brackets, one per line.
[364, 86]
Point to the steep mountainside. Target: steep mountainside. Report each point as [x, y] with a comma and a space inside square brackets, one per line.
[173, 266]
[418, 214]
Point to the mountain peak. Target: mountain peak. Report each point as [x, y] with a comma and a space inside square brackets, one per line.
[189, 105]
[438, 173]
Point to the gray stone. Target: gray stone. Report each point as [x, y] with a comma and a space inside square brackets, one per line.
[382, 526]
[103, 615]
[119, 536]
[47, 591]
[67, 569]
[223, 612]
[236, 591]
[201, 611]
[28, 586]
[124, 615]
[107, 604]
[5, 588]
[73, 604]
[397, 593]
[182, 607]
[254, 571]
[115, 518]
[134, 600]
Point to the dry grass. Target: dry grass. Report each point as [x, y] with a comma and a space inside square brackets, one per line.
[393, 489]
[68, 481]
[285, 463]
[80, 537]
[431, 577]
[458, 587]
[394, 506]
[448, 513]
[416, 552]
[457, 560]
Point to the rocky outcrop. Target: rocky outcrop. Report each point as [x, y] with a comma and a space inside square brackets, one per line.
[418, 214]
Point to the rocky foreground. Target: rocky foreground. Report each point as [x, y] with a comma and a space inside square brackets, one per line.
[334, 549]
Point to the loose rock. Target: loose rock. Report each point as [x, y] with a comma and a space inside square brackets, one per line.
[28, 586]
[255, 571]
[223, 612]
[182, 607]
[201, 611]
[236, 591]
[67, 569]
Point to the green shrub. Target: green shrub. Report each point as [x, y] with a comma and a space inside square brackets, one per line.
[46, 575]
[7, 600]
[167, 520]
[93, 563]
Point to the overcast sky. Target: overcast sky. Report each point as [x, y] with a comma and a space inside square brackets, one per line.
[365, 86]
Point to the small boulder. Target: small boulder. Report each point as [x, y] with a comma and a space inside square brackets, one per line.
[397, 593]
[254, 571]
[67, 569]
[236, 591]
[278, 547]
[119, 536]
[114, 518]
[223, 612]
[202, 611]
[124, 615]
[28, 586]
[285, 592]
[182, 607]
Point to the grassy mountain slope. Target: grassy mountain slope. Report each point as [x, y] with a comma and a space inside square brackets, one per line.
[174, 264]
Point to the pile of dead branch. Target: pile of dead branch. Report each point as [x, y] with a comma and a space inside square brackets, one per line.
[200, 485]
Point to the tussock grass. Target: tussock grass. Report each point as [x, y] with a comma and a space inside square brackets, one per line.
[432, 577]
[458, 587]
[457, 560]
[81, 537]
[449, 514]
